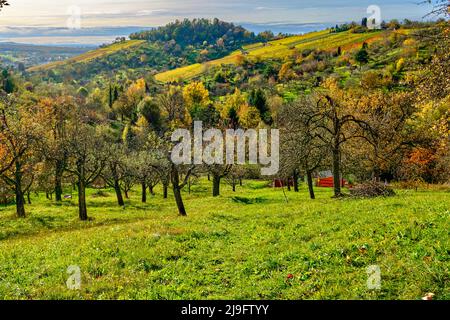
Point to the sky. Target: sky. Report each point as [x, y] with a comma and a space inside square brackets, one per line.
[107, 13]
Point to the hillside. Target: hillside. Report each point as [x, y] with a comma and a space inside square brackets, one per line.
[157, 50]
[176, 59]
[322, 40]
[89, 56]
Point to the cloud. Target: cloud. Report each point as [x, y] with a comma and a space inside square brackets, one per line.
[144, 13]
[267, 8]
[103, 13]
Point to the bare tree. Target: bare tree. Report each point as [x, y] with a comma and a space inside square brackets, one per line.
[440, 7]
[179, 176]
[234, 178]
[87, 158]
[302, 149]
[218, 172]
[115, 169]
[3, 3]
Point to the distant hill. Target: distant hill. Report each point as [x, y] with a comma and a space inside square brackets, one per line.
[90, 55]
[199, 32]
[15, 54]
[175, 45]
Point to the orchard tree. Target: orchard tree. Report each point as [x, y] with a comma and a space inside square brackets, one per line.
[87, 157]
[386, 114]
[19, 133]
[145, 166]
[56, 113]
[302, 148]
[218, 172]
[179, 177]
[336, 116]
[235, 176]
[115, 170]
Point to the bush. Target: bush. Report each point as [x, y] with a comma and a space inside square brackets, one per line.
[372, 190]
[100, 194]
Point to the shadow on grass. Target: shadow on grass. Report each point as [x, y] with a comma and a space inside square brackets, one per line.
[35, 225]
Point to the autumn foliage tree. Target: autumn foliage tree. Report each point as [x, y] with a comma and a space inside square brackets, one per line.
[19, 133]
[335, 113]
[87, 157]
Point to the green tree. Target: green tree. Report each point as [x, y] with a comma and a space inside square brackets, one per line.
[362, 56]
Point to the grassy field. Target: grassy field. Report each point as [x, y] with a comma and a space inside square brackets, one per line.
[91, 55]
[242, 245]
[275, 49]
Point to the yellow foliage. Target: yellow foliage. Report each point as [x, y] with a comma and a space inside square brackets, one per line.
[286, 72]
[409, 43]
[142, 123]
[249, 117]
[400, 65]
[236, 101]
[196, 95]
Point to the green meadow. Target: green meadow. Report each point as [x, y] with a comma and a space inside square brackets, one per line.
[249, 244]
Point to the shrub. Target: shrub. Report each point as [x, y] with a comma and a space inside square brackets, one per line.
[372, 190]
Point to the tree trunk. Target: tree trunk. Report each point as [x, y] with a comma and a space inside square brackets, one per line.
[126, 194]
[82, 209]
[29, 197]
[216, 185]
[118, 191]
[144, 192]
[240, 182]
[152, 192]
[20, 203]
[165, 191]
[234, 185]
[177, 191]
[310, 185]
[296, 189]
[288, 181]
[58, 180]
[376, 175]
[337, 172]
[179, 201]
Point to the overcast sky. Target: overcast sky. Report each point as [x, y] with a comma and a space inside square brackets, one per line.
[54, 13]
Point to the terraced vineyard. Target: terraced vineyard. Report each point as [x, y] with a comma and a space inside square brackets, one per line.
[91, 55]
[274, 49]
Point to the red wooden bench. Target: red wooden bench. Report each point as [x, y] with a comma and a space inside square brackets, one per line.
[329, 183]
